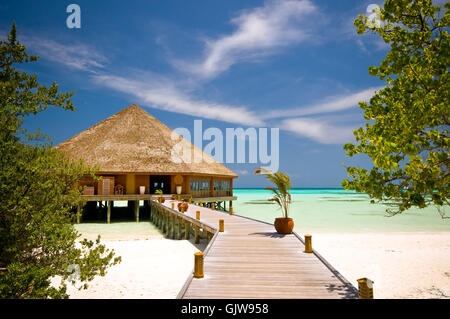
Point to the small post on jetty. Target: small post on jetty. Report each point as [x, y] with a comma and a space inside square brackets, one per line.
[136, 210]
[308, 244]
[197, 215]
[108, 217]
[231, 210]
[196, 236]
[186, 230]
[173, 205]
[198, 265]
[212, 205]
[78, 213]
[365, 287]
[221, 225]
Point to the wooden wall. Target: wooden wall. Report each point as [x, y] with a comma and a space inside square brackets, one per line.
[142, 180]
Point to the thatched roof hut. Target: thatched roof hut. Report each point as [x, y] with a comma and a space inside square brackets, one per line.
[132, 145]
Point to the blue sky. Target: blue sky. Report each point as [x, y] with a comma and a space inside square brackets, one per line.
[295, 65]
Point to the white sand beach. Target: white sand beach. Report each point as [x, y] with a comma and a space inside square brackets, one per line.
[152, 266]
[402, 265]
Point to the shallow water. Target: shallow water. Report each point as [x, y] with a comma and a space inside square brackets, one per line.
[336, 210]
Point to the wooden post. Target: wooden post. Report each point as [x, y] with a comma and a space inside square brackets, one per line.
[173, 227]
[186, 230]
[198, 265]
[190, 200]
[173, 205]
[108, 217]
[197, 215]
[231, 210]
[365, 287]
[213, 206]
[197, 239]
[136, 210]
[308, 244]
[78, 213]
[167, 224]
[200, 204]
[179, 228]
[221, 225]
[151, 211]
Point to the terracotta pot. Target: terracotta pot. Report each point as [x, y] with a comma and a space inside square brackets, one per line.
[284, 225]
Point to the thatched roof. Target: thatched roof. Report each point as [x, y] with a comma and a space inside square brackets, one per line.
[133, 141]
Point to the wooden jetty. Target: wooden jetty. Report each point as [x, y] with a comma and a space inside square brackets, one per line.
[249, 259]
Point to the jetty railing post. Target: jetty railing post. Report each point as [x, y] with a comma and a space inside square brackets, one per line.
[308, 244]
[173, 205]
[221, 225]
[179, 228]
[197, 239]
[197, 215]
[78, 213]
[365, 288]
[108, 214]
[149, 203]
[136, 210]
[173, 227]
[212, 205]
[231, 210]
[198, 265]
[186, 230]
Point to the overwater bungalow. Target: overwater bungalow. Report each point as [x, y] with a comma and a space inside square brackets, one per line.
[137, 155]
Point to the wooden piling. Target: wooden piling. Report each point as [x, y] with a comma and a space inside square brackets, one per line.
[78, 213]
[308, 244]
[198, 265]
[108, 214]
[186, 230]
[136, 210]
[365, 288]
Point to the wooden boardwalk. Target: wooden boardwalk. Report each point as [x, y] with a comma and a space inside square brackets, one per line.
[250, 260]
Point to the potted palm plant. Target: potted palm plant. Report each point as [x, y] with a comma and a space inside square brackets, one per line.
[282, 196]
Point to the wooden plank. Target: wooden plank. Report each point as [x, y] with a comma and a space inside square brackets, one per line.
[250, 260]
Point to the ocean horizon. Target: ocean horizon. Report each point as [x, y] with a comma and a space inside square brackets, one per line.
[335, 210]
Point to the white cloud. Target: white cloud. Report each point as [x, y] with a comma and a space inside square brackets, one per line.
[319, 130]
[76, 56]
[163, 94]
[329, 105]
[258, 32]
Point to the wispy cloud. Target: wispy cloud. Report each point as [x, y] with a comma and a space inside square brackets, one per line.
[331, 104]
[259, 32]
[319, 130]
[165, 95]
[322, 128]
[76, 56]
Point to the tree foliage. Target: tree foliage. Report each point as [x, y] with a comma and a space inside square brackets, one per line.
[407, 133]
[37, 191]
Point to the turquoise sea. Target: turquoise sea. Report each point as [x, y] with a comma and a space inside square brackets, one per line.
[337, 210]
